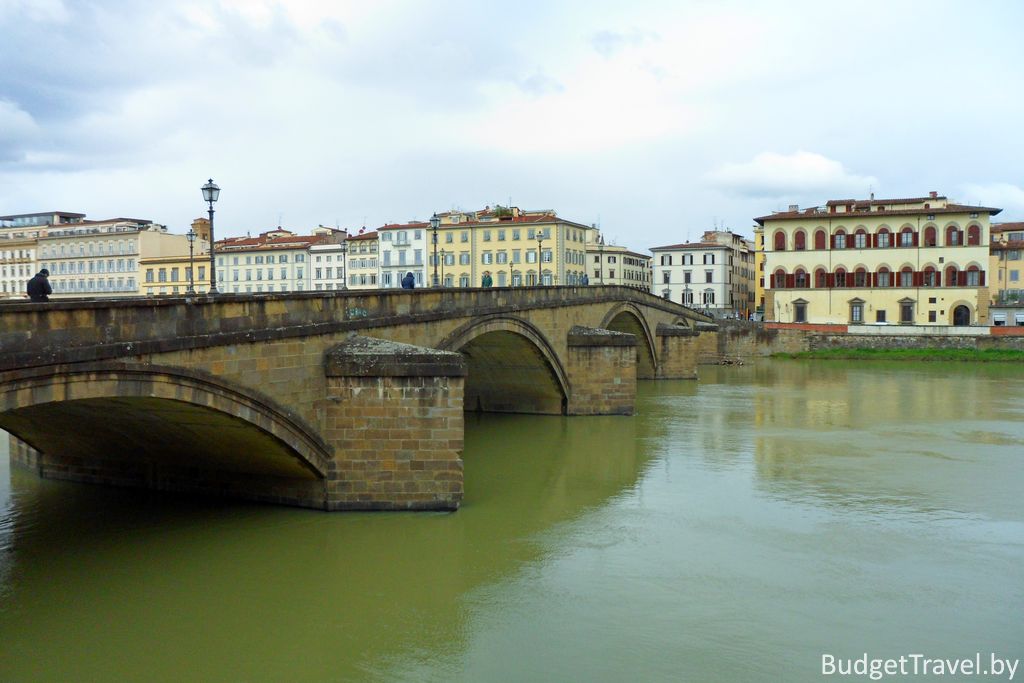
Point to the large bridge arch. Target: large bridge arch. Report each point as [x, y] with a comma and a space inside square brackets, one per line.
[512, 366]
[163, 427]
[627, 317]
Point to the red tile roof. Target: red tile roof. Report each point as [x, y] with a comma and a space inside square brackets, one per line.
[815, 213]
[863, 202]
[693, 245]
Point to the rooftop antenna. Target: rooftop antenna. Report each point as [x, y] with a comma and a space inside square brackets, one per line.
[871, 192]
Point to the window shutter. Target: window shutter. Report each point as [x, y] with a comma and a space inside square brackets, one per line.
[961, 278]
[915, 239]
[916, 278]
[938, 278]
[830, 280]
[961, 242]
[790, 281]
[981, 278]
[873, 279]
[832, 241]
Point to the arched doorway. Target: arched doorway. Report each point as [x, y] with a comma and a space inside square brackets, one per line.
[961, 316]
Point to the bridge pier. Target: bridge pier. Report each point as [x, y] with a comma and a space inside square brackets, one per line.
[602, 371]
[394, 418]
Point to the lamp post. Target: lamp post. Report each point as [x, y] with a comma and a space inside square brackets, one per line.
[191, 237]
[540, 240]
[210, 194]
[443, 252]
[435, 222]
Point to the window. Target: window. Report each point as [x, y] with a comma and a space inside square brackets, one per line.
[860, 240]
[819, 278]
[709, 259]
[883, 278]
[952, 237]
[907, 237]
[666, 259]
[882, 239]
[780, 241]
[709, 275]
[840, 240]
[840, 277]
[880, 316]
[907, 277]
[665, 277]
[906, 312]
[860, 278]
[931, 316]
[929, 236]
[799, 311]
[819, 239]
[464, 237]
[487, 235]
[709, 297]
[801, 278]
[779, 279]
[973, 277]
[857, 312]
[687, 277]
[800, 240]
[464, 258]
[929, 279]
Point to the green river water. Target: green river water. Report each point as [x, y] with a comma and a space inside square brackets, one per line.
[736, 528]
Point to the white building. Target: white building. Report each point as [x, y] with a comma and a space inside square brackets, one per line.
[361, 268]
[714, 274]
[403, 249]
[273, 261]
[611, 264]
[327, 260]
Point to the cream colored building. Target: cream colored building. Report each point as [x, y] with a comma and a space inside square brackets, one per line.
[1006, 263]
[273, 261]
[920, 261]
[611, 264]
[513, 246]
[101, 258]
[758, 279]
[363, 255]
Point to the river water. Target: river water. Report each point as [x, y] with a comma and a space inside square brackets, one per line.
[736, 528]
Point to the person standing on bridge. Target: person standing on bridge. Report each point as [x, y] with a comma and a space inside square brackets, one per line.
[39, 286]
[408, 282]
[486, 281]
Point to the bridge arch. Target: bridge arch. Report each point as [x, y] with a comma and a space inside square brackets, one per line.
[161, 423]
[627, 317]
[512, 366]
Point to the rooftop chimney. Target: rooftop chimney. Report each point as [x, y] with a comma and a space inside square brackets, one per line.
[794, 207]
[933, 194]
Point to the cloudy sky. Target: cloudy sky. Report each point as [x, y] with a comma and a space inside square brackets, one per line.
[657, 120]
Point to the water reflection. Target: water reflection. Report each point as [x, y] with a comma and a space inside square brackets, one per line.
[735, 529]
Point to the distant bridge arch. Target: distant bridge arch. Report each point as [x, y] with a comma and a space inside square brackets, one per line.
[627, 317]
[513, 367]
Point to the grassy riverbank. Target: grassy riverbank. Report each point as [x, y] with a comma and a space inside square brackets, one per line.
[984, 356]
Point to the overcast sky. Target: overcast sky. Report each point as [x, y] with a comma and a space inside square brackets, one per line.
[657, 120]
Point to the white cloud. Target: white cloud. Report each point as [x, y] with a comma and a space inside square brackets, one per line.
[17, 128]
[773, 175]
[1004, 196]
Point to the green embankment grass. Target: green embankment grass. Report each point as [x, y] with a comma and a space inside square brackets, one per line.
[984, 356]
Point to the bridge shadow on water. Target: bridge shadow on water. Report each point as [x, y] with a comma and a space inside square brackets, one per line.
[188, 588]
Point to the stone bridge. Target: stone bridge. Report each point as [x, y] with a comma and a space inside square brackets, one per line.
[332, 400]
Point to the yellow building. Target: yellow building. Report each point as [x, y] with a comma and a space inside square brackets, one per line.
[920, 261]
[1005, 262]
[758, 278]
[513, 247]
[362, 267]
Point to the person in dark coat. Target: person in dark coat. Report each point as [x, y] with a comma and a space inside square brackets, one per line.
[487, 280]
[39, 286]
[408, 282]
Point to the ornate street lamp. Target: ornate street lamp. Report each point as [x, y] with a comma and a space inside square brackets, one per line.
[435, 222]
[191, 237]
[540, 240]
[443, 252]
[210, 194]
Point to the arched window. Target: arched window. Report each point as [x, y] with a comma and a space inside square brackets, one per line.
[839, 240]
[860, 239]
[953, 237]
[951, 276]
[840, 277]
[973, 235]
[908, 238]
[906, 276]
[930, 278]
[780, 241]
[820, 239]
[801, 278]
[974, 277]
[800, 240]
[929, 236]
[884, 277]
[883, 240]
[860, 278]
[779, 279]
[819, 278]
